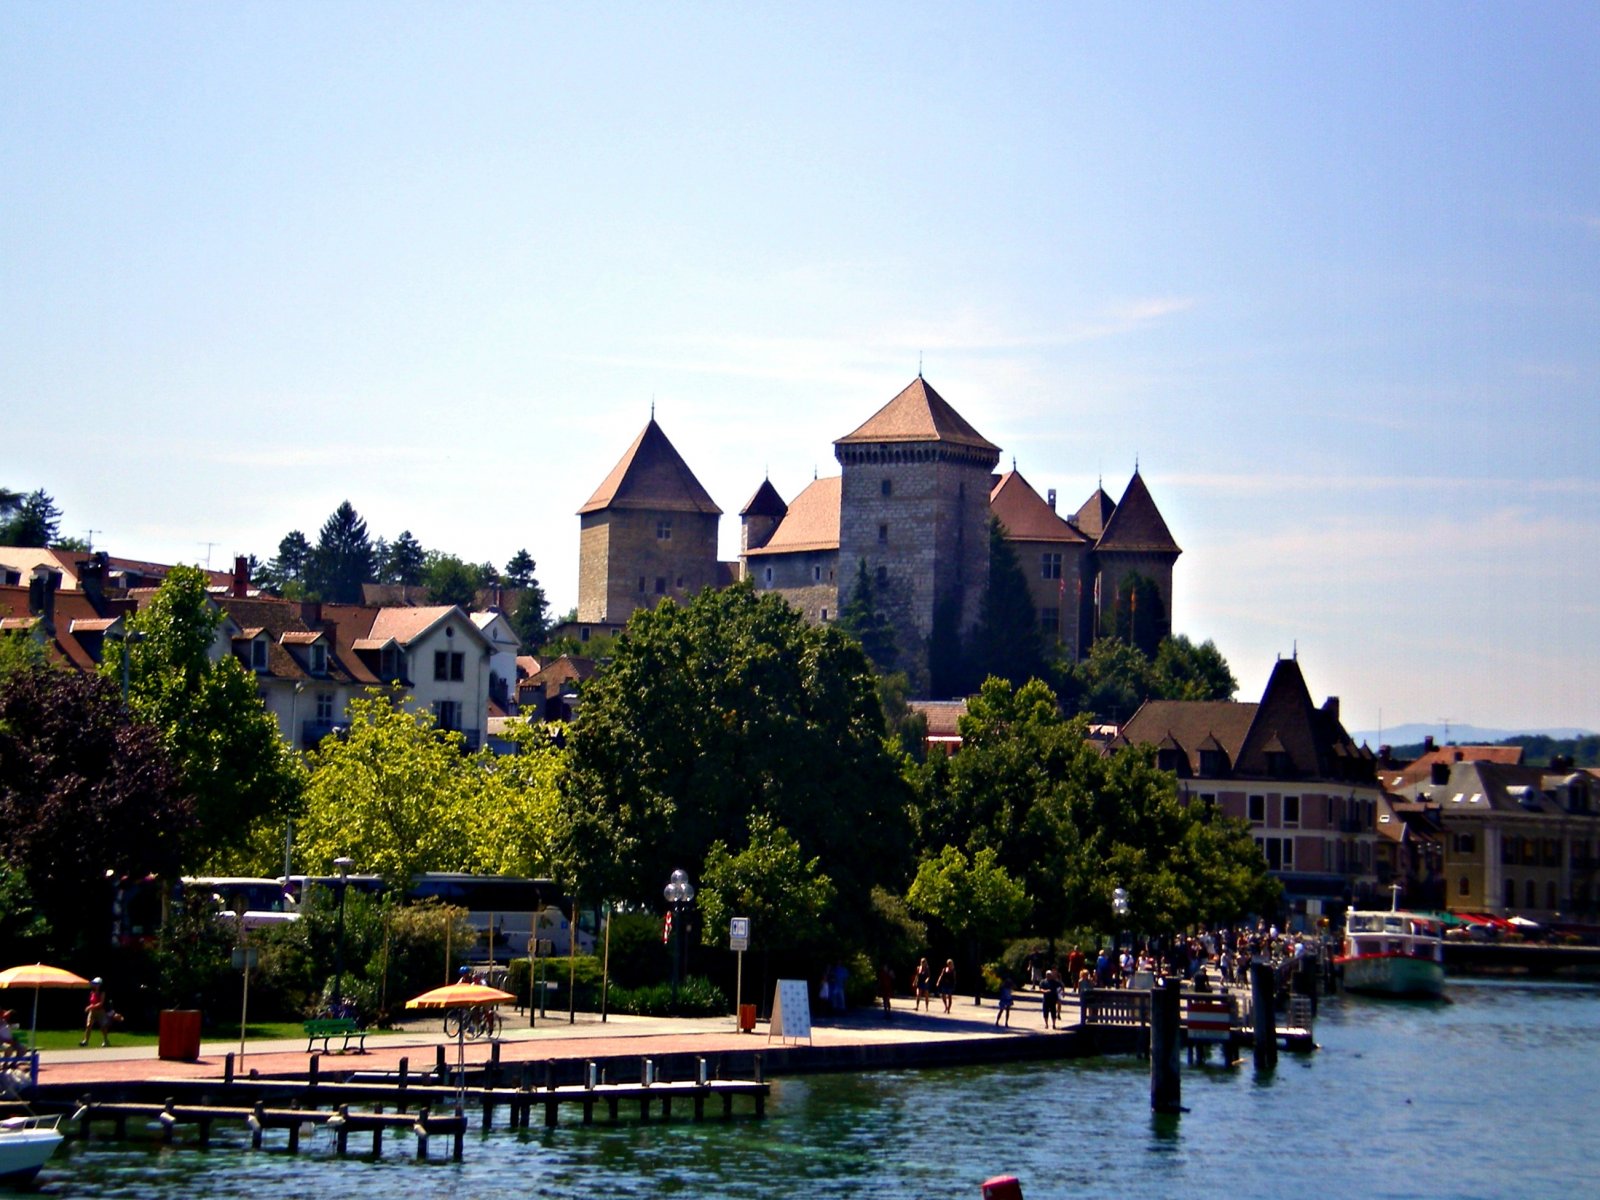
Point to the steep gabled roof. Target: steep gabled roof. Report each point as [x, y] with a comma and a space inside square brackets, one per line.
[1096, 511]
[918, 414]
[1136, 523]
[812, 522]
[765, 503]
[651, 475]
[1201, 724]
[1026, 515]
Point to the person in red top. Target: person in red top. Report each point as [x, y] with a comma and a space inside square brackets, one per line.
[97, 1013]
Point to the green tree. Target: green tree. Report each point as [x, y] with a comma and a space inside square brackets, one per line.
[976, 902]
[83, 792]
[342, 560]
[231, 759]
[33, 521]
[398, 794]
[1184, 671]
[729, 707]
[449, 580]
[405, 561]
[1136, 615]
[863, 618]
[948, 672]
[285, 574]
[769, 881]
[1114, 680]
[519, 570]
[1007, 641]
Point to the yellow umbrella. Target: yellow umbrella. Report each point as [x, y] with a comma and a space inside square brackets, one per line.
[40, 976]
[460, 995]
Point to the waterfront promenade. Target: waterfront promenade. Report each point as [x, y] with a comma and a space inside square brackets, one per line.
[863, 1037]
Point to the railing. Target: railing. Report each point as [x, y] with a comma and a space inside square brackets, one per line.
[1111, 1006]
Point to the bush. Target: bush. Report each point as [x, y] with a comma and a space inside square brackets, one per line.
[697, 997]
[1014, 959]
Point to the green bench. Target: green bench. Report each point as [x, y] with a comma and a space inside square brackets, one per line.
[326, 1028]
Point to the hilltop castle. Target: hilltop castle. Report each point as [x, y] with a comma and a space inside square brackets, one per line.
[912, 501]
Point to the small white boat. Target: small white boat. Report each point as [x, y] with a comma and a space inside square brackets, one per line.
[1395, 953]
[26, 1143]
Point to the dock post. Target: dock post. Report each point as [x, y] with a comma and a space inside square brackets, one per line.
[342, 1135]
[377, 1132]
[85, 1106]
[313, 1070]
[1263, 1004]
[439, 1067]
[1166, 1085]
[258, 1124]
[421, 1130]
[227, 1068]
[405, 1071]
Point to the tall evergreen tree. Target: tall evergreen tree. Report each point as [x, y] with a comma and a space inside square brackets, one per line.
[288, 570]
[863, 618]
[519, 571]
[948, 674]
[1007, 643]
[406, 560]
[342, 561]
[35, 521]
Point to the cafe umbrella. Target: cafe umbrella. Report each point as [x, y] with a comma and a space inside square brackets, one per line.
[37, 976]
[460, 995]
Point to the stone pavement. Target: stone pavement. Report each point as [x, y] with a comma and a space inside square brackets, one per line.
[862, 1034]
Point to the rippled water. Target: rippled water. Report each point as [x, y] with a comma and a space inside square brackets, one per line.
[1484, 1097]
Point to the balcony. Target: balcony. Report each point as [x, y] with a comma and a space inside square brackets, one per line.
[312, 732]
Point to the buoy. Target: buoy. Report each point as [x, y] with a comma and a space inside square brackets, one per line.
[1002, 1187]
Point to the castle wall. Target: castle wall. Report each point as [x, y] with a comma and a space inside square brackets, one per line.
[1064, 595]
[1115, 566]
[634, 558]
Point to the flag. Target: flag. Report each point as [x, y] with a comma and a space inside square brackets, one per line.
[666, 929]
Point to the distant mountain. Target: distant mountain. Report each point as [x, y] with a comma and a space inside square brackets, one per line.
[1461, 735]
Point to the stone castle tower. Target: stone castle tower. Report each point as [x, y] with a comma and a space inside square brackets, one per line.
[648, 532]
[914, 506]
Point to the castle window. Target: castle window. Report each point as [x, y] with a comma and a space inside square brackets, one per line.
[886, 487]
[883, 534]
[1050, 621]
[769, 576]
[1050, 566]
[641, 584]
[883, 576]
[824, 617]
[816, 574]
[680, 583]
[663, 530]
[661, 585]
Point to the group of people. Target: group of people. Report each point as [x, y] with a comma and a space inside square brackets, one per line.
[924, 985]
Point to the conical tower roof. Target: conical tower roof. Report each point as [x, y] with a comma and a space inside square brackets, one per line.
[651, 475]
[765, 503]
[1136, 524]
[1096, 511]
[919, 414]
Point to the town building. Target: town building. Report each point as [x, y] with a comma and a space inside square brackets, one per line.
[1288, 768]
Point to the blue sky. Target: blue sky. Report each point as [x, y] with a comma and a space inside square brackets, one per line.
[1331, 275]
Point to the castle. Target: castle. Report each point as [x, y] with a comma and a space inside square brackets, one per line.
[912, 501]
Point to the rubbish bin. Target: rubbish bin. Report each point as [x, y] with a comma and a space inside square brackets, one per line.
[747, 1017]
[179, 1034]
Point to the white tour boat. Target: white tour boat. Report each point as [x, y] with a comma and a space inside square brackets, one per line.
[1394, 953]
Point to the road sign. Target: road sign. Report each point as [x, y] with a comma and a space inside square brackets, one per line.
[739, 933]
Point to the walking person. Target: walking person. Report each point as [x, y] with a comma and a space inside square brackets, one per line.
[97, 1014]
[1004, 1003]
[947, 984]
[921, 980]
[1051, 992]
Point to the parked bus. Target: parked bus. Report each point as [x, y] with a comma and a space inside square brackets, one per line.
[252, 901]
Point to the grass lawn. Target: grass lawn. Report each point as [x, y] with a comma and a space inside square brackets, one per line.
[222, 1031]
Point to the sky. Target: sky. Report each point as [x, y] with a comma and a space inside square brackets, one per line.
[1329, 275]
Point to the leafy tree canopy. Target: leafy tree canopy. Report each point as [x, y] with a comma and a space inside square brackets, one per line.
[783, 894]
[83, 791]
[226, 746]
[975, 900]
[449, 580]
[725, 709]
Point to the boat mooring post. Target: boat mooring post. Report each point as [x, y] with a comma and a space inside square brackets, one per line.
[1263, 1006]
[1166, 1085]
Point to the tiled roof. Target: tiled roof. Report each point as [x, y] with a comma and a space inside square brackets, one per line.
[1136, 524]
[1096, 511]
[765, 503]
[651, 475]
[1026, 515]
[407, 624]
[1194, 724]
[812, 522]
[1421, 769]
[943, 716]
[918, 414]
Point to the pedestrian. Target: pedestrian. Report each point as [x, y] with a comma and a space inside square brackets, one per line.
[97, 1014]
[1050, 991]
[886, 988]
[1004, 1003]
[841, 976]
[947, 984]
[8, 1038]
[921, 981]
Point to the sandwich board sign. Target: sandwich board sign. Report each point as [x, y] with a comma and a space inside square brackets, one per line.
[791, 1011]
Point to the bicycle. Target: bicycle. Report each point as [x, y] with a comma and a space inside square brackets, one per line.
[479, 1021]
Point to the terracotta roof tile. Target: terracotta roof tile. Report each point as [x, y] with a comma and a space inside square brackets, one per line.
[918, 414]
[1026, 515]
[765, 503]
[651, 475]
[1096, 511]
[1136, 524]
[812, 522]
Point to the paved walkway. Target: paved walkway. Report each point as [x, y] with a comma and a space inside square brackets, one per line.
[551, 1037]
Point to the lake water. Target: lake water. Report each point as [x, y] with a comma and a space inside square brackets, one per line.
[1488, 1096]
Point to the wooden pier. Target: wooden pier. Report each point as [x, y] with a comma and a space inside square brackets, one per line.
[1119, 1020]
[401, 1103]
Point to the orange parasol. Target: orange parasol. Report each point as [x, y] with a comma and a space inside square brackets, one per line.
[40, 976]
[460, 995]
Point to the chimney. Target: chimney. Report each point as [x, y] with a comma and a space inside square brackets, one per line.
[92, 578]
[1427, 743]
[241, 577]
[311, 613]
[1050, 496]
[1331, 707]
[1440, 773]
[42, 588]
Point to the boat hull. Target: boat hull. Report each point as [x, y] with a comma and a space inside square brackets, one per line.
[24, 1151]
[1393, 975]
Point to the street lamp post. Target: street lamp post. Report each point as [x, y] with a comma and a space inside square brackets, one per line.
[343, 864]
[679, 892]
[1119, 908]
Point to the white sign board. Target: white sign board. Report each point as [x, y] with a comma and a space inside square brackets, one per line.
[739, 933]
[791, 1011]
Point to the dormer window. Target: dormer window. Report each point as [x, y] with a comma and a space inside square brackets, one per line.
[258, 654]
[319, 659]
